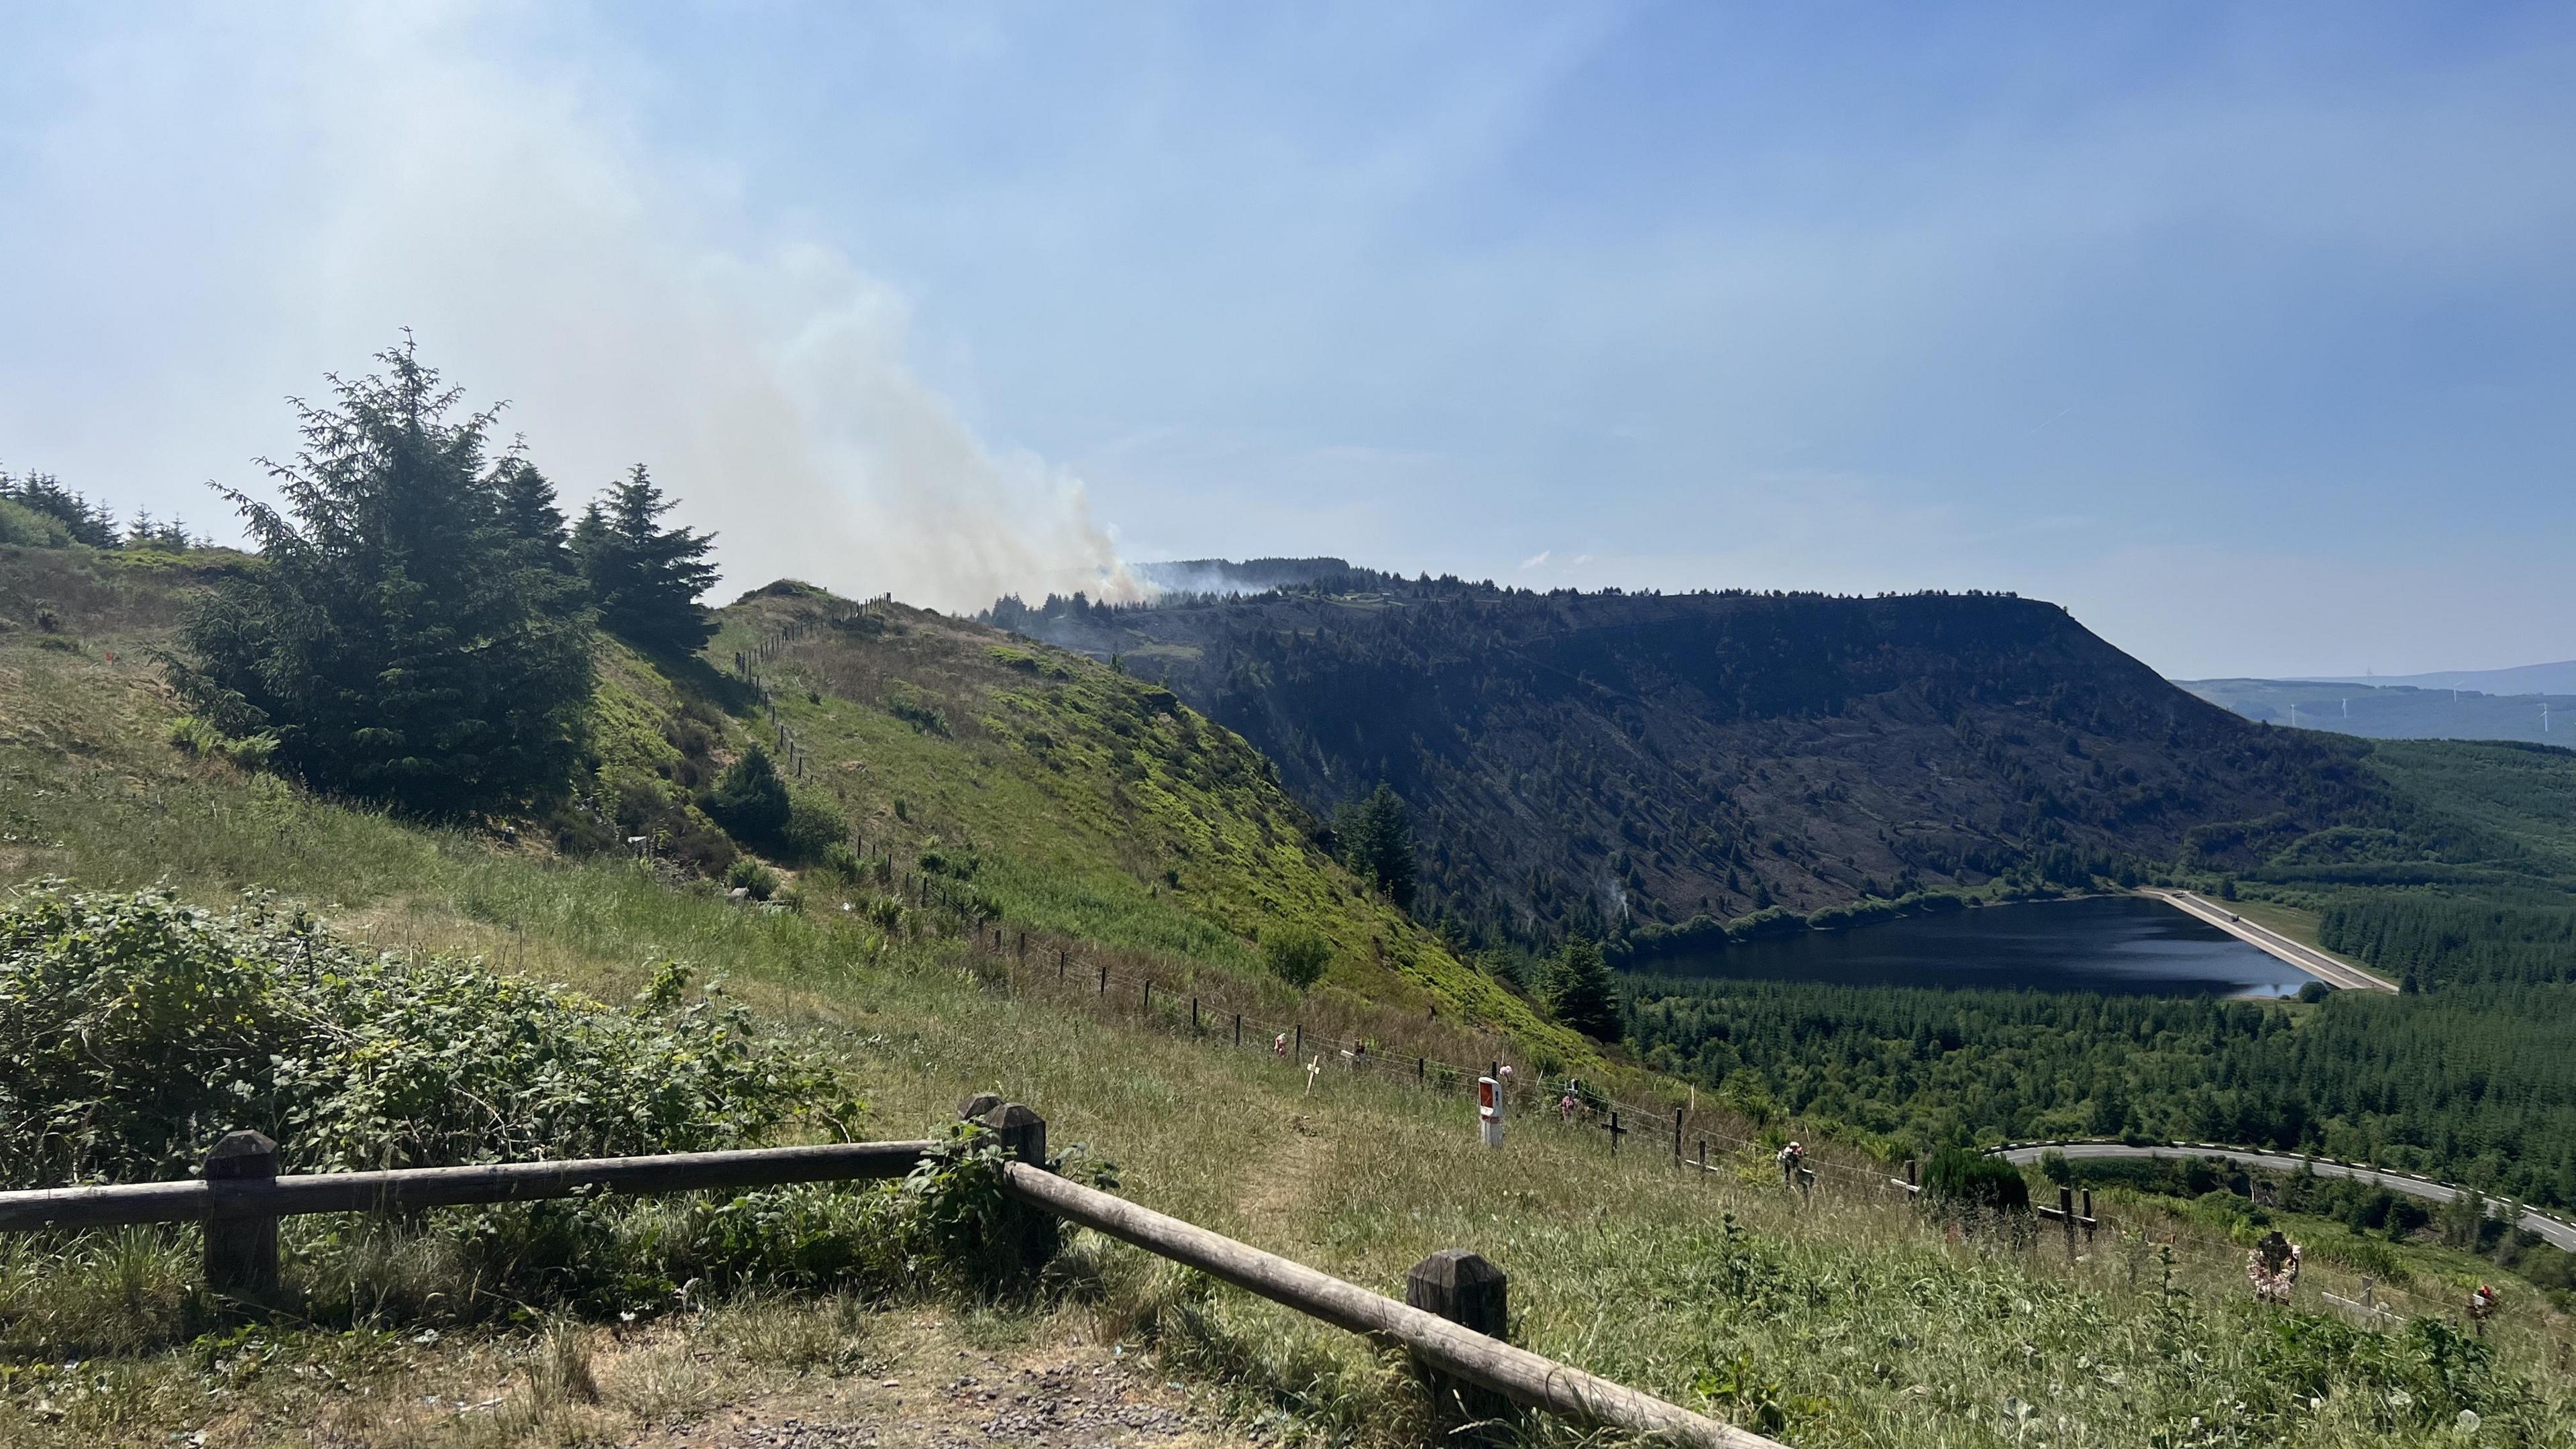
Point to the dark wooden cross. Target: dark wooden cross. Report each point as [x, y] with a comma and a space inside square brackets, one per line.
[1614, 1129]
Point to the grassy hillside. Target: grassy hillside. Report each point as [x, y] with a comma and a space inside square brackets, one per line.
[1066, 797]
[1846, 1322]
[1094, 804]
[1583, 761]
[2521, 795]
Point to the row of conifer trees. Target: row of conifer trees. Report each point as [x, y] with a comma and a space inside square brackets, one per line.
[417, 628]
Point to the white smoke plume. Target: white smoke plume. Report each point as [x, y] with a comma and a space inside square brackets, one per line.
[618, 296]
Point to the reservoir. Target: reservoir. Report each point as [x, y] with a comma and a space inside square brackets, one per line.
[2103, 943]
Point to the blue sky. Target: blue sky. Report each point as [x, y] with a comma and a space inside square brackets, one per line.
[2244, 332]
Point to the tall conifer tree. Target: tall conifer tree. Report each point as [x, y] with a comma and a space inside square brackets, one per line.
[1580, 993]
[397, 638]
[645, 579]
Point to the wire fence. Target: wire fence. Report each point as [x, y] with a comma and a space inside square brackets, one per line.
[1683, 1130]
[1697, 1141]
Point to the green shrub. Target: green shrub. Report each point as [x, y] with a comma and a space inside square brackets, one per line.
[955, 864]
[1960, 1179]
[27, 528]
[750, 875]
[751, 800]
[1296, 955]
[813, 827]
[134, 1031]
[190, 735]
[906, 702]
[252, 751]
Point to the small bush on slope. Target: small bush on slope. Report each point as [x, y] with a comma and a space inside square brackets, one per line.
[134, 1031]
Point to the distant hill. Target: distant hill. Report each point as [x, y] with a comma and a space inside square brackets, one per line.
[2387, 711]
[1577, 761]
[2521, 679]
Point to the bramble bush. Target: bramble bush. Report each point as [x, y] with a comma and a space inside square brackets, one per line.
[1961, 1180]
[134, 1031]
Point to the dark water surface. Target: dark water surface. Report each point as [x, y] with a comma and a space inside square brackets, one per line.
[2106, 943]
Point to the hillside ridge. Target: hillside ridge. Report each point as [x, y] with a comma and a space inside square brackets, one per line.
[1591, 761]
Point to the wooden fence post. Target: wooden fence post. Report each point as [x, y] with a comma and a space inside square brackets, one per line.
[1238, 1028]
[1025, 1237]
[241, 1252]
[1474, 1294]
[1677, 1137]
[1149, 996]
[1059, 963]
[1194, 1016]
[1104, 980]
[1301, 1039]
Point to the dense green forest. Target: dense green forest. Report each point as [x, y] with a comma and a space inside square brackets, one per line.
[2429, 940]
[2474, 1084]
[2469, 1074]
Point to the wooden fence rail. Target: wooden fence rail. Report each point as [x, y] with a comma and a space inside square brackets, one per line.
[257, 1194]
[1489, 1363]
[1455, 1328]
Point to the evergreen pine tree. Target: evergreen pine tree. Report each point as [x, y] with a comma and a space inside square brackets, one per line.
[1375, 835]
[1580, 993]
[529, 512]
[395, 639]
[750, 801]
[44, 493]
[645, 579]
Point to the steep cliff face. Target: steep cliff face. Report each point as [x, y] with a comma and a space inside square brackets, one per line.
[1579, 759]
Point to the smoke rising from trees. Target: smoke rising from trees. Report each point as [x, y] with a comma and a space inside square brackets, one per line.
[393, 173]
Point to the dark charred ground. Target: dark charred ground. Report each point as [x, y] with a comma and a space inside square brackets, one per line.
[1575, 760]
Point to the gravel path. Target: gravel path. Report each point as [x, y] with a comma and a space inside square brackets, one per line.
[1045, 1398]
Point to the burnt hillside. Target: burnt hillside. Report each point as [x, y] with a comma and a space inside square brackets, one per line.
[1575, 760]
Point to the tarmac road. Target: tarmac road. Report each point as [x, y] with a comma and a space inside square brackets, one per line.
[2316, 963]
[2558, 1233]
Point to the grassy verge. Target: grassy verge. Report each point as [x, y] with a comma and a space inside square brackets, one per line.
[2291, 921]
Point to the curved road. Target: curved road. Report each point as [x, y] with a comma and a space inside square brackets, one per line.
[2558, 1233]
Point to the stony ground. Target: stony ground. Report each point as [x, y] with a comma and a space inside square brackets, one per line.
[935, 1397]
[778, 1376]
